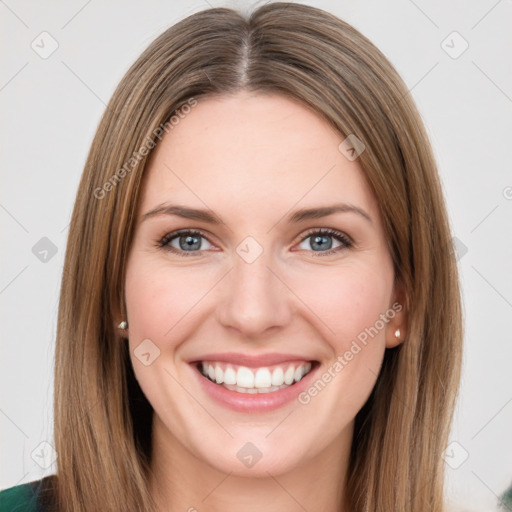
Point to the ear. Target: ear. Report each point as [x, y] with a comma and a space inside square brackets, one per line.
[398, 318]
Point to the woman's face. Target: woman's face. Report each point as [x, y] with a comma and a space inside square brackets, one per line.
[271, 283]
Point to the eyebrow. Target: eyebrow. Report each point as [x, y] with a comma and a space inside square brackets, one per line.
[324, 211]
[294, 218]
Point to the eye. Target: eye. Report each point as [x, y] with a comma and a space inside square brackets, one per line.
[324, 241]
[321, 241]
[185, 241]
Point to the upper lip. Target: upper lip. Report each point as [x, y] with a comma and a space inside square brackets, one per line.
[250, 361]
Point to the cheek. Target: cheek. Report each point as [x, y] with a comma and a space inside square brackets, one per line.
[352, 307]
[161, 306]
[146, 303]
[159, 299]
[348, 300]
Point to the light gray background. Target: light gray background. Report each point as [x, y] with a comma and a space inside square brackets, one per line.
[50, 108]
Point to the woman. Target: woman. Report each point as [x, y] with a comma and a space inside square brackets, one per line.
[260, 304]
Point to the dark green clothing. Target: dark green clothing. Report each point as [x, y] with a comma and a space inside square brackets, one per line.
[22, 498]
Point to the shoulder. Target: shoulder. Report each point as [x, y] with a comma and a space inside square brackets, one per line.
[20, 498]
[23, 498]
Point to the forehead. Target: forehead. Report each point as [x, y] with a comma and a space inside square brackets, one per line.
[254, 152]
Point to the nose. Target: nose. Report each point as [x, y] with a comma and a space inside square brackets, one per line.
[254, 299]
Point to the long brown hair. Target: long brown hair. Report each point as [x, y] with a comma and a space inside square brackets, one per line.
[102, 419]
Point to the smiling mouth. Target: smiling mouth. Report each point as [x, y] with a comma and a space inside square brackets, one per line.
[267, 379]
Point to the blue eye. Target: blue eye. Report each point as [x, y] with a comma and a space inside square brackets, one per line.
[323, 242]
[184, 241]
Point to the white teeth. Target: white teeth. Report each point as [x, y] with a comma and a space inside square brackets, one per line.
[219, 377]
[254, 390]
[229, 376]
[260, 380]
[278, 377]
[289, 374]
[263, 379]
[244, 378]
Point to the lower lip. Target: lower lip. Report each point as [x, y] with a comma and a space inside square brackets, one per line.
[257, 402]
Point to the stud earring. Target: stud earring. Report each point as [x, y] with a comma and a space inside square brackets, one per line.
[123, 325]
[397, 334]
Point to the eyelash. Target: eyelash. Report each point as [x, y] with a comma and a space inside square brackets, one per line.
[338, 235]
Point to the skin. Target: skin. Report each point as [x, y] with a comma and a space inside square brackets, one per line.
[253, 159]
